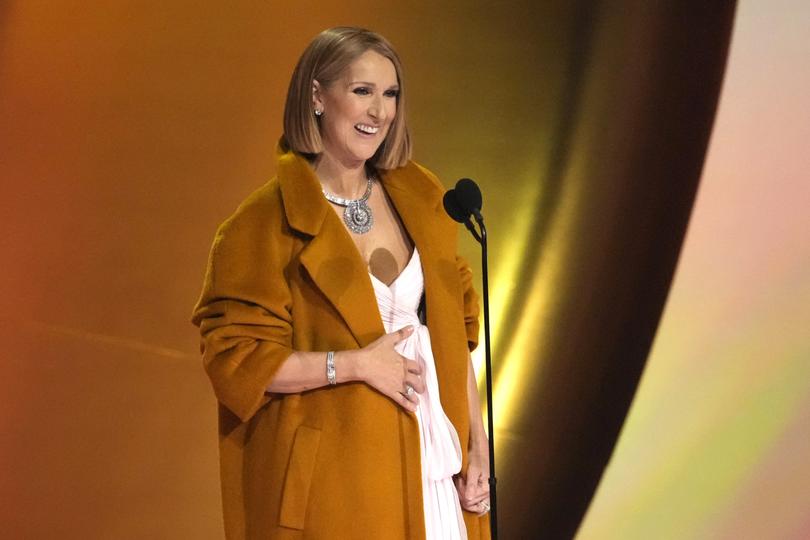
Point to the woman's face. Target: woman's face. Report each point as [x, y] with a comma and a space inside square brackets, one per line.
[358, 109]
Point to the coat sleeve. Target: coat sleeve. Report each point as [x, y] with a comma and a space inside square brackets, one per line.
[244, 316]
[471, 306]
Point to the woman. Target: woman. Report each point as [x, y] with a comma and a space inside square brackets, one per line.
[341, 414]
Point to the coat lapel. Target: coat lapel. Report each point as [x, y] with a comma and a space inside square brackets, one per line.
[330, 258]
[407, 192]
[419, 204]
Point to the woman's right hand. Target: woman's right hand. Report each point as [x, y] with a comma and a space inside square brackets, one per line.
[390, 373]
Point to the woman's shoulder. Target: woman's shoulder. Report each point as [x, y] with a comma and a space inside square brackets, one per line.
[419, 178]
[434, 179]
[257, 213]
[252, 242]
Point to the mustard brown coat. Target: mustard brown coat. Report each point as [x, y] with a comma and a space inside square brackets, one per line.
[283, 274]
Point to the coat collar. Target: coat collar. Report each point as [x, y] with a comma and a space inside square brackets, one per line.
[304, 204]
[331, 257]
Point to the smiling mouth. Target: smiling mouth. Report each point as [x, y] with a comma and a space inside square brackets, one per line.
[365, 129]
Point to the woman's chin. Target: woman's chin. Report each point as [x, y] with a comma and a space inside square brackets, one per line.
[360, 152]
[367, 154]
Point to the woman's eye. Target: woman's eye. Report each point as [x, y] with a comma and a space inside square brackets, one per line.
[392, 93]
[361, 91]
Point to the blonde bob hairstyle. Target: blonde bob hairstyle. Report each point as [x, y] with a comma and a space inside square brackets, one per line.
[325, 60]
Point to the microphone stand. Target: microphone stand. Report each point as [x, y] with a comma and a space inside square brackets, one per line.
[482, 239]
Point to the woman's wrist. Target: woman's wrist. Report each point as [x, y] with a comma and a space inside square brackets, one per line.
[348, 366]
[479, 443]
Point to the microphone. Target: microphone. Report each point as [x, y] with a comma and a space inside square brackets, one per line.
[453, 208]
[458, 211]
[468, 196]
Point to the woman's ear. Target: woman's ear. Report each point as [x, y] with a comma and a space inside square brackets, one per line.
[317, 102]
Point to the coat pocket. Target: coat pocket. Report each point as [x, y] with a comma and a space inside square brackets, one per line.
[299, 477]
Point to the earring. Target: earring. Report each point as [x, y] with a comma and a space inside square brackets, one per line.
[318, 112]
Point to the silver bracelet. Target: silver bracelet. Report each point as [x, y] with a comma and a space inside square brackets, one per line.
[330, 367]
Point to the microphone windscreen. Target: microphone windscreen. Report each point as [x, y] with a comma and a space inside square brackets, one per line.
[468, 195]
[452, 207]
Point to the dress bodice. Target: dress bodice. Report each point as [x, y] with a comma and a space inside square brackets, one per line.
[400, 301]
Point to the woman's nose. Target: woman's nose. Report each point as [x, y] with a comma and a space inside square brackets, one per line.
[376, 108]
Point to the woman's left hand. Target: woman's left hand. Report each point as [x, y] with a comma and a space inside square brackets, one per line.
[473, 488]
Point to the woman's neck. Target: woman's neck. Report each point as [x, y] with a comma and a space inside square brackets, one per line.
[341, 179]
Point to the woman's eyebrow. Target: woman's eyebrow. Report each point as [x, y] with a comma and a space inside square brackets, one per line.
[367, 83]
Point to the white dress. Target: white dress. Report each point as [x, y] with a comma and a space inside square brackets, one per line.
[441, 452]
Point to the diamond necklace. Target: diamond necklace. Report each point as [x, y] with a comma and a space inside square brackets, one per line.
[357, 213]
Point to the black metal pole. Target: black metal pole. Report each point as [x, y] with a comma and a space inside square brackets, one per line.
[493, 511]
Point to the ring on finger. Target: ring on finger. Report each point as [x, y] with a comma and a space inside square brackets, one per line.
[485, 505]
[409, 391]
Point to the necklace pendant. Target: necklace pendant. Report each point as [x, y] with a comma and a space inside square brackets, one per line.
[357, 212]
[358, 217]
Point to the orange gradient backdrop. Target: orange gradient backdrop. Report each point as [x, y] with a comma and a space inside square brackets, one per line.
[129, 131]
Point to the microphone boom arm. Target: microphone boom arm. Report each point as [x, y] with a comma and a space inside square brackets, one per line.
[471, 228]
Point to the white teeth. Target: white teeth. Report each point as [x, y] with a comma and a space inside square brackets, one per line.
[367, 129]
